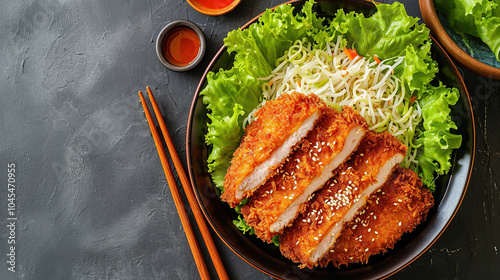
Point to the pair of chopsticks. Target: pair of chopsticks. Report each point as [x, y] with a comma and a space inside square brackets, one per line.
[200, 220]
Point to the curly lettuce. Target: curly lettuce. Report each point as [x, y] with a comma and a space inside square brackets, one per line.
[437, 139]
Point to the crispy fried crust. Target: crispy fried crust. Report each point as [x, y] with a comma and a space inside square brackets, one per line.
[275, 122]
[398, 207]
[324, 142]
[336, 203]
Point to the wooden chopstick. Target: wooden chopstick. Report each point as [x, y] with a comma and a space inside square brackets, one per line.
[200, 220]
[193, 244]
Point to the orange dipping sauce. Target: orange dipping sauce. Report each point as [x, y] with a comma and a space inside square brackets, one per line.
[181, 45]
[214, 4]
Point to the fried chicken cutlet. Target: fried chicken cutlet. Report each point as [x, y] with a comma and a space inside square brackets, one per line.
[398, 207]
[279, 125]
[317, 228]
[278, 202]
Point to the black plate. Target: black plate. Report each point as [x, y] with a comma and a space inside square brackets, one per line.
[267, 258]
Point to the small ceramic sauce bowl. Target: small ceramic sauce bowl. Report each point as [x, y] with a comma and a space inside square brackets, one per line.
[180, 46]
[213, 7]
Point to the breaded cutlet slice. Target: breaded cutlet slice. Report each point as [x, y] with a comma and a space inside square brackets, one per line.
[398, 207]
[279, 125]
[278, 202]
[317, 228]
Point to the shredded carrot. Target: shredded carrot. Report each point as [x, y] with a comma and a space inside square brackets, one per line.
[344, 68]
[298, 83]
[350, 53]
[271, 82]
[413, 98]
[376, 59]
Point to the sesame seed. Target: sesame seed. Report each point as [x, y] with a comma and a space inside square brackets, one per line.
[366, 250]
[373, 239]
[315, 238]
[399, 224]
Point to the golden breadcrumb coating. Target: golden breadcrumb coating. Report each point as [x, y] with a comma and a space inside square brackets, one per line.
[306, 163]
[276, 121]
[398, 207]
[326, 213]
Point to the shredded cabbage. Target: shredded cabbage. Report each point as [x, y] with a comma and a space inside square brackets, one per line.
[362, 83]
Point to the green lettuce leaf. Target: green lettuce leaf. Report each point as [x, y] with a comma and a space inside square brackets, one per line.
[229, 95]
[437, 139]
[489, 32]
[258, 46]
[389, 33]
[243, 226]
[386, 33]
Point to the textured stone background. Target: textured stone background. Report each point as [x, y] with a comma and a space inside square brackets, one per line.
[92, 199]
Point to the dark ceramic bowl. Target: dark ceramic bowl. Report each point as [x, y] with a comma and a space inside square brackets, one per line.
[267, 258]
